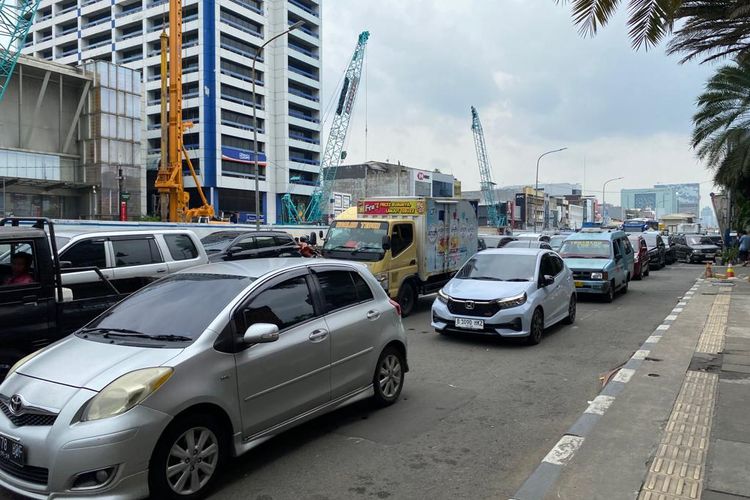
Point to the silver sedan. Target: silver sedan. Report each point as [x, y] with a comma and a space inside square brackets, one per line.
[155, 394]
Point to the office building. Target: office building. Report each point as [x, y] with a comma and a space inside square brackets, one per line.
[663, 199]
[219, 40]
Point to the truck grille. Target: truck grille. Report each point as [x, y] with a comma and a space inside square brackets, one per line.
[479, 309]
[27, 418]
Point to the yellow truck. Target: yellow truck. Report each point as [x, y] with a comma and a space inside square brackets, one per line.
[412, 245]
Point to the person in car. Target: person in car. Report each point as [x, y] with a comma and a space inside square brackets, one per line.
[20, 270]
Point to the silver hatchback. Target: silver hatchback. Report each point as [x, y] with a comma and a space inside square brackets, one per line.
[153, 395]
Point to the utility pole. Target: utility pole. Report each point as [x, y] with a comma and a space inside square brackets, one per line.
[536, 183]
[120, 178]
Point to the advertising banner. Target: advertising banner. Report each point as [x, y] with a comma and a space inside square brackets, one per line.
[391, 207]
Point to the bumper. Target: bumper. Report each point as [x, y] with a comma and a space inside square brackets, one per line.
[593, 287]
[700, 257]
[65, 450]
[513, 322]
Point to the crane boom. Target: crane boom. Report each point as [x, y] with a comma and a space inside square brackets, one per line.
[494, 217]
[334, 151]
[16, 18]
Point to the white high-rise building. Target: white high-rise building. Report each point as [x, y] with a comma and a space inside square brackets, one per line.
[219, 40]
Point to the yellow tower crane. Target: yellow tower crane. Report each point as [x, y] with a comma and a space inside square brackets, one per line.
[169, 180]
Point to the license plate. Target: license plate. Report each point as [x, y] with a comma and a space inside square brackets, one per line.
[579, 284]
[471, 324]
[12, 451]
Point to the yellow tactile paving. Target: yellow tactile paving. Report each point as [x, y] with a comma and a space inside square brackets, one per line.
[711, 340]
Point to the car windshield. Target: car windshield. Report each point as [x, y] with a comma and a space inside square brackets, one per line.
[699, 240]
[586, 249]
[182, 305]
[521, 244]
[356, 236]
[650, 239]
[557, 241]
[499, 267]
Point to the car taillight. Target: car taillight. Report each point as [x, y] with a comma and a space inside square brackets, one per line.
[396, 305]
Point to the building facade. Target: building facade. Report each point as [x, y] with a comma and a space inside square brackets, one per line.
[72, 141]
[663, 199]
[219, 40]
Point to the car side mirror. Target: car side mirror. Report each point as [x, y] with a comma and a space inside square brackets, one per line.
[313, 239]
[386, 242]
[65, 264]
[547, 280]
[261, 333]
[234, 250]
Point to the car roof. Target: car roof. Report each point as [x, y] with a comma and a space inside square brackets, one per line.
[516, 251]
[101, 234]
[603, 235]
[255, 268]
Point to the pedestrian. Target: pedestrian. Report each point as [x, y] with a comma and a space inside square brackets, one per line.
[744, 247]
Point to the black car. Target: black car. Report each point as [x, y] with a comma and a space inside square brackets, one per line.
[657, 251]
[695, 248]
[717, 240]
[236, 245]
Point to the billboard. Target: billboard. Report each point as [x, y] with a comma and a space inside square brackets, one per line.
[391, 207]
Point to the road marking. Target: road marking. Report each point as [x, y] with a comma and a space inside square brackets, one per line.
[624, 375]
[640, 354]
[681, 304]
[653, 339]
[677, 310]
[662, 327]
[600, 404]
[671, 317]
[564, 450]
[686, 297]
[690, 292]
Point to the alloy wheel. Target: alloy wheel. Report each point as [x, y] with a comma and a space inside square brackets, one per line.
[390, 375]
[192, 460]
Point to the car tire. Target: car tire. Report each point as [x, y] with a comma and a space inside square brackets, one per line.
[536, 330]
[625, 286]
[388, 379]
[572, 308]
[205, 464]
[639, 276]
[648, 271]
[407, 299]
[610, 293]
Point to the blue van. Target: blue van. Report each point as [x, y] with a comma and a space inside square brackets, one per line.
[601, 260]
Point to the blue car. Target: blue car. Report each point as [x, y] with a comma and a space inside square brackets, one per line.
[602, 262]
[507, 292]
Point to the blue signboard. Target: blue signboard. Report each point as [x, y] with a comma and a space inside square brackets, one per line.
[241, 156]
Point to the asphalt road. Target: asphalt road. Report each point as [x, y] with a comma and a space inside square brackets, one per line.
[476, 415]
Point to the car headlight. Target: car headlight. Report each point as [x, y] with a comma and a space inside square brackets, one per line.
[18, 364]
[443, 297]
[599, 276]
[125, 393]
[512, 301]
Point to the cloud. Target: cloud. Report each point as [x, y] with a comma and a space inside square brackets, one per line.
[536, 83]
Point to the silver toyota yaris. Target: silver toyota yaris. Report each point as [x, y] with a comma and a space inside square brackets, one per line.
[153, 395]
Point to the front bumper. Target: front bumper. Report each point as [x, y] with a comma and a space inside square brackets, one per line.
[593, 287]
[64, 450]
[512, 322]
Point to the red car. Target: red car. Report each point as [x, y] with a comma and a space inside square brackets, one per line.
[641, 267]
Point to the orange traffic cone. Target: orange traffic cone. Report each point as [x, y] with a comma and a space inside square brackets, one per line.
[730, 271]
[709, 270]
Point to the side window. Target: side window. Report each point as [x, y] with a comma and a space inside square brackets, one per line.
[246, 243]
[401, 238]
[135, 252]
[481, 245]
[617, 248]
[18, 264]
[86, 253]
[181, 247]
[558, 264]
[283, 240]
[364, 292]
[265, 241]
[283, 305]
[547, 268]
[628, 246]
[338, 289]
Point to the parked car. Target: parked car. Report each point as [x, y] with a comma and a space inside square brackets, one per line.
[656, 249]
[129, 259]
[528, 244]
[533, 237]
[153, 396]
[507, 292]
[670, 250]
[695, 248]
[486, 241]
[602, 261]
[236, 245]
[641, 261]
[717, 240]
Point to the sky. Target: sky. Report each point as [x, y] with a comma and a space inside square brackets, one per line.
[537, 84]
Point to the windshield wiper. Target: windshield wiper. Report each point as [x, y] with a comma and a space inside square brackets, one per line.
[342, 247]
[124, 332]
[488, 278]
[518, 279]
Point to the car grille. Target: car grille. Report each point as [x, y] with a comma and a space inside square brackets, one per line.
[473, 308]
[581, 275]
[27, 418]
[37, 475]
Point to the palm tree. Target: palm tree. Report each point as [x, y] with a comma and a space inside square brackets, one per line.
[721, 134]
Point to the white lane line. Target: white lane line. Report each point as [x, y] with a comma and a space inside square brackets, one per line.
[662, 327]
[653, 339]
[671, 317]
[677, 310]
[564, 450]
[686, 297]
[690, 292]
[640, 354]
[624, 375]
[680, 304]
[600, 404]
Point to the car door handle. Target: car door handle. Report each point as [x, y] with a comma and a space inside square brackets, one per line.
[318, 335]
[30, 300]
[373, 315]
[161, 270]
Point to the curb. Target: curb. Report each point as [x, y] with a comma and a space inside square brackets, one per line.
[541, 481]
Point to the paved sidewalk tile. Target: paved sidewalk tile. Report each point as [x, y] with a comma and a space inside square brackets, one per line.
[717, 495]
[731, 419]
[727, 469]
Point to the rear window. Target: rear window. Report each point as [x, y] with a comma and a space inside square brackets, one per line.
[181, 246]
[135, 252]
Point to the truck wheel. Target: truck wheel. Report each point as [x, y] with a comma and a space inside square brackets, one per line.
[407, 299]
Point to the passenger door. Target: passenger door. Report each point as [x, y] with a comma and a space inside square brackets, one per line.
[629, 256]
[620, 265]
[563, 283]
[266, 246]
[280, 380]
[356, 325]
[245, 248]
[90, 252]
[403, 254]
[550, 293]
[138, 262]
[183, 251]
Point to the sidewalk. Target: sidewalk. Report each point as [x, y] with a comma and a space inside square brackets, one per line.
[674, 423]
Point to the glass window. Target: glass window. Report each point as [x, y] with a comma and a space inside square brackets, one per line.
[558, 264]
[363, 289]
[499, 267]
[283, 305]
[181, 247]
[265, 241]
[247, 243]
[135, 252]
[85, 254]
[586, 249]
[283, 240]
[338, 289]
[402, 237]
[617, 245]
[547, 266]
[17, 265]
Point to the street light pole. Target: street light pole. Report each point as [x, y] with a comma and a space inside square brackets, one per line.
[604, 206]
[255, 121]
[536, 183]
